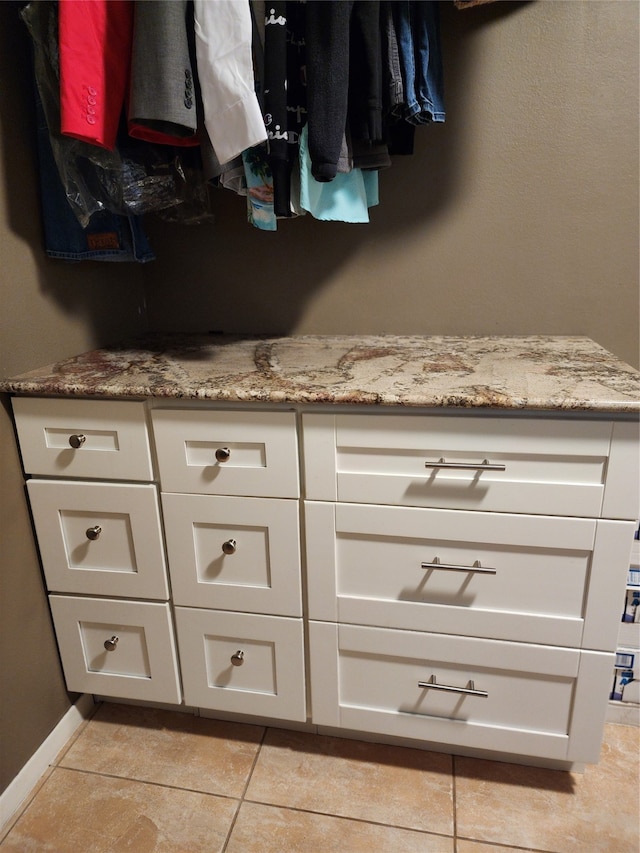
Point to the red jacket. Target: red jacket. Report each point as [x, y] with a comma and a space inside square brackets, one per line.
[94, 38]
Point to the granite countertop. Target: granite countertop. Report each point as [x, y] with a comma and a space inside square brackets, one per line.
[532, 372]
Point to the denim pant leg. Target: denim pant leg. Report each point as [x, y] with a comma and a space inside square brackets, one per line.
[402, 20]
[393, 89]
[429, 88]
[107, 237]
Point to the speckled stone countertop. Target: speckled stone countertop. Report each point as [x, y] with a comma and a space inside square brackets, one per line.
[531, 372]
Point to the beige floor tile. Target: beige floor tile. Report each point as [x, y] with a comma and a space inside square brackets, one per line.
[168, 748]
[267, 829]
[553, 811]
[83, 813]
[386, 784]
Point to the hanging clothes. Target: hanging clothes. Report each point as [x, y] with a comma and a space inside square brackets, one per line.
[418, 34]
[283, 93]
[344, 79]
[260, 192]
[274, 106]
[104, 235]
[346, 198]
[392, 89]
[162, 98]
[236, 82]
[94, 44]
[232, 114]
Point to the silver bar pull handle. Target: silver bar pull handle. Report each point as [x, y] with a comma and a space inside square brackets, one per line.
[476, 568]
[485, 465]
[469, 690]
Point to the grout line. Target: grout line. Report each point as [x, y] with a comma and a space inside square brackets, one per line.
[350, 818]
[498, 845]
[147, 782]
[255, 761]
[244, 792]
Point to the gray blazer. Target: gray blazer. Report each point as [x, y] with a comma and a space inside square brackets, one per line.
[162, 99]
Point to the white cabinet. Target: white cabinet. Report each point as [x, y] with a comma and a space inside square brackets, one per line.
[227, 453]
[99, 537]
[229, 485]
[463, 577]
[450, 579]
[243, 663]
[230, 517]
[117, 648]
[554, 467]
[234, 553]
[455, 691]
[536, 579]
[105, 439]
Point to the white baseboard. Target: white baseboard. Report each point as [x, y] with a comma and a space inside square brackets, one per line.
[623, 713]
[13, 797]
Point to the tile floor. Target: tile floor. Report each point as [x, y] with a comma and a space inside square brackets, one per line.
[152, 781]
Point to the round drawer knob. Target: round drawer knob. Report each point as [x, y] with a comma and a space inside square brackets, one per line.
[229, 547]
[110, 645]
[92, 533]
[237, 659]
[223, 454]
[77, 441]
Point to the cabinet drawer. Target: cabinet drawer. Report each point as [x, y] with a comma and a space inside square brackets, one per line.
[454, 690]
[234, 553]
[553, 467]
[102, 439]
[242, 663]
[516, 577]
[231, 453]
[142, 663]
[99, 538]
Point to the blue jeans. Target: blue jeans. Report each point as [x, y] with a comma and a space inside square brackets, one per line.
[107, 237]
[418, 33]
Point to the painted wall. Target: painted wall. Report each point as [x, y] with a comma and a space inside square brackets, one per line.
[48, 310]
[519, 215]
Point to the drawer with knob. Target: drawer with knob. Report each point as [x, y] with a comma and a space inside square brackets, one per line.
[524, 465]
[474, 693]
[100, 538]
[117, 648]
[209, 451]
[98, 439]
[529, 578]
[234, 553]
[242, 662]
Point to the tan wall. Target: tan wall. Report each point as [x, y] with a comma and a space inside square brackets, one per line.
[32, 693]
[518, 216]
[48, 310]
